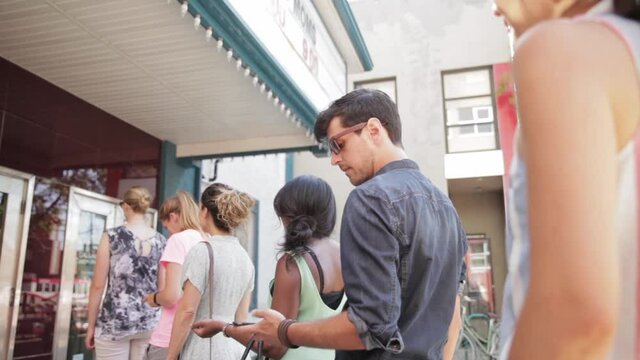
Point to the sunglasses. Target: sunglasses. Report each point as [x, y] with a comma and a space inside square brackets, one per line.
[332, 142]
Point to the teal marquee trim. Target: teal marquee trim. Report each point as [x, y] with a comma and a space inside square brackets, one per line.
[349, 22]
[314, 149]
[162, 177]
[176, 174]
[288, 173]
[237, 36]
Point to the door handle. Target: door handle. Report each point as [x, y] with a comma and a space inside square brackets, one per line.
[12, 296]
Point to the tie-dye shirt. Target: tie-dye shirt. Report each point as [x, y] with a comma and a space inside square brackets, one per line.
[133, 273]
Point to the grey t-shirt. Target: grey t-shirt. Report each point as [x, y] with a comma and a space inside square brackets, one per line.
[233, 277]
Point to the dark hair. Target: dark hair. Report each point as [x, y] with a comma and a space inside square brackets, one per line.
[308, 208]
[628, 8]
[228, 207]
[357, 107]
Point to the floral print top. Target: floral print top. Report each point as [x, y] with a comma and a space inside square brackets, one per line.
[133, 273]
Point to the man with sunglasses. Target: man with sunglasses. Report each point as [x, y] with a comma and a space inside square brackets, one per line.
[402, 244]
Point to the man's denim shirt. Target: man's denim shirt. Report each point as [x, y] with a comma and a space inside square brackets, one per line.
[402, 248]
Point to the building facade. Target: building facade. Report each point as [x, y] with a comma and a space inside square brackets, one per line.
[446, 65]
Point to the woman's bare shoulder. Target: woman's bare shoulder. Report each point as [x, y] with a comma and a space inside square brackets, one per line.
[589, 43]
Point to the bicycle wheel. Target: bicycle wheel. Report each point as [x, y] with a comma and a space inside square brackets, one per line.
[494, 341]
[466, 349]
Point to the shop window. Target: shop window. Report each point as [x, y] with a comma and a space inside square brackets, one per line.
[469, 110]
[41, 279]
[386, 85]
[478, 292]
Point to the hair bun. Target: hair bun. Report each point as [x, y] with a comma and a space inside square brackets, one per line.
[145, 202]
[138, 198]
[231, 207]
[301, 229]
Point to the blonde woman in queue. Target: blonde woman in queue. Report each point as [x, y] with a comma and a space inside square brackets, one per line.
[128, 256]
[179, 215]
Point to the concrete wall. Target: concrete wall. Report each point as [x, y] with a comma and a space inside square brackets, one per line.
[414, 40]
[483, 212]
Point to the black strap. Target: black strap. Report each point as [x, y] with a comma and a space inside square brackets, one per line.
[247, 349]
[315, 260]
[260, 348]
[210, 251]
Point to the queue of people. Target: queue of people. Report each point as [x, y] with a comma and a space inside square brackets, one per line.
[390, 288]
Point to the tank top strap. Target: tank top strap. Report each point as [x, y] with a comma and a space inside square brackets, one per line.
[628, 337]
[318, 266]
[306, 276]
[343, 302]
[627, 29]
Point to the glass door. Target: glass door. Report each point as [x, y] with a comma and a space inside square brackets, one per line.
[16, 191]
[89, 215]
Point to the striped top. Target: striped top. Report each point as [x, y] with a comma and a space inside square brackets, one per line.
[627, 337]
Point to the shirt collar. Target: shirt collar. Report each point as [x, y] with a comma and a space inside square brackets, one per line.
[398, 164]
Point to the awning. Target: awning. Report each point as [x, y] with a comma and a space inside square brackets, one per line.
[190, 73]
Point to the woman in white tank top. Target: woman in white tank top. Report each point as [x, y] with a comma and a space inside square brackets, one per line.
[571, 291]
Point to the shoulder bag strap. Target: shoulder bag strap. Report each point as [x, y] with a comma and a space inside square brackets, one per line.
[210, 250]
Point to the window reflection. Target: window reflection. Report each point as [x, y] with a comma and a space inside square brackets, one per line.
[479, 289]
[3, 208]
[91, 227]
[42, 268]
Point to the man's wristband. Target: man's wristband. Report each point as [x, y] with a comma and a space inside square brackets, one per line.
[155, 300]
[282, 333]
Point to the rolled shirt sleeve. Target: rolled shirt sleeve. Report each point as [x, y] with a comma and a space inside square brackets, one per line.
[250, 284]
[463, 267]
[196, 268]
[370, 259]
[174, 252]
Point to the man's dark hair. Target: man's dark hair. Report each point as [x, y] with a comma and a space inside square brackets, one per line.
[628, 8]
[359, 106]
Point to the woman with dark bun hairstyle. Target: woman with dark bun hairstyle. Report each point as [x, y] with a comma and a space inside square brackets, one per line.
[222, 211]
[308, 283]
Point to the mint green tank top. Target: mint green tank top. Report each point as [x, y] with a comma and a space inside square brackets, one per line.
[311, 308]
